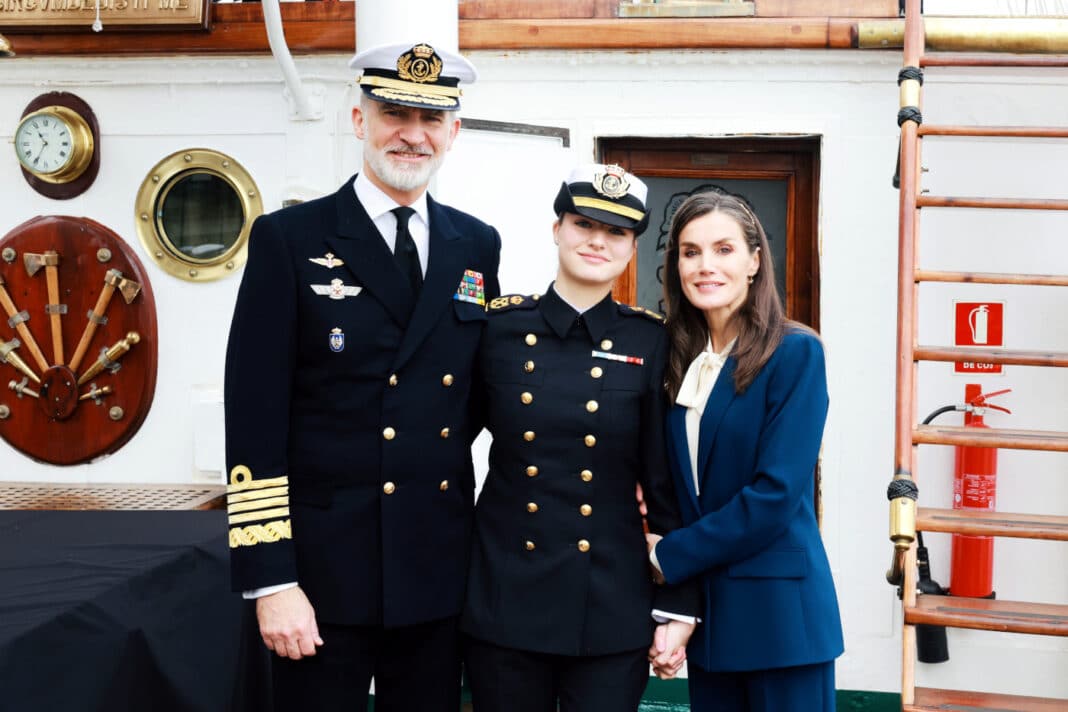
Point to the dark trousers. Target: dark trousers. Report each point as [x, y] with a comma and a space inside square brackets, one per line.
[415, 669]
[509, 680]
[806, 688]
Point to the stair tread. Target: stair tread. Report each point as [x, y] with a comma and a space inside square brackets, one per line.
[991, 437]
[987, 614]
[934, 700]
[981, 523]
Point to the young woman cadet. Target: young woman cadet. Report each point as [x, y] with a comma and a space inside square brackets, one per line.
[560, 593]
[751, 399]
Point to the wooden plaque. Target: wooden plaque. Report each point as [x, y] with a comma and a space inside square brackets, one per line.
[59, 426]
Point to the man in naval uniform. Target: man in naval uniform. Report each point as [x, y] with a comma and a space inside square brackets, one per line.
[348, 409]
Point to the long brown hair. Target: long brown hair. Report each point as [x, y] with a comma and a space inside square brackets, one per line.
[761, 320]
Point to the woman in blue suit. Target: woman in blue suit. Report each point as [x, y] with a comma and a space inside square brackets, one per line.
[750, 395]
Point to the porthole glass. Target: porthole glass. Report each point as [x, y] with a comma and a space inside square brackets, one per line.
[199, 215]
[194, 213]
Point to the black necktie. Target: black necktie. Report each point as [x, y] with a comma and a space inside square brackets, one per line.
[404, 252]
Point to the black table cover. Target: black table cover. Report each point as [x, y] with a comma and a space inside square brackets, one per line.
[125, 610]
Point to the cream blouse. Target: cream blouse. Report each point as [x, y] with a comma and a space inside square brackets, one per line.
[696, 386]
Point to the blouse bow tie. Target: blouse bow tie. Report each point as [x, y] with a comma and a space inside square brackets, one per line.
[700, 378]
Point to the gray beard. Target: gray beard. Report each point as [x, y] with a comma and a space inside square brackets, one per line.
[401, 177]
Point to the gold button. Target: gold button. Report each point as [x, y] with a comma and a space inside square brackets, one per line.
[444, 432]
[389, 433]
[590, 441]
[583, 545]
[528, 436]
[446, 380]
[586, 510]
[606, 344]
[535, 297]
[532, 507]
[596, 371]
[530, 546]
[528, 366]
[532, 471]
[444, 485]
[527, 398]
[531, 339]
[389, 488]
[591, 406]
[586, 475]
[392, 379]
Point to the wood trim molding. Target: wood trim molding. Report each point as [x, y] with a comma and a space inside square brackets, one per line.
[329, 26]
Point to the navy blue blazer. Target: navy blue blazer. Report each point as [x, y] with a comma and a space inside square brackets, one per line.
[349, 420]
[751, 537]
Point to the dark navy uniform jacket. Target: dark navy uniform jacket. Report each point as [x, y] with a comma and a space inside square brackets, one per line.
[349, 421]
[559, 563]
[752, 540]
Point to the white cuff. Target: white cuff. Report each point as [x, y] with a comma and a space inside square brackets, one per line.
[663, 617]
[653, 560]
[267, 590]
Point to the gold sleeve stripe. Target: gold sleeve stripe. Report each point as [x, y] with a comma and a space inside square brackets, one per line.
[260, 494]
[259, 514]
[258, 504]
[260, 533]
[608, 206]
[282, 481]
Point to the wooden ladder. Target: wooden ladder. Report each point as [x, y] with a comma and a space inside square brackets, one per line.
[905, 517]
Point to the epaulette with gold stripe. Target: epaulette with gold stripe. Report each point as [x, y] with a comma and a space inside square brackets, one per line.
[258, 509]
[512, 301]
[629, 310]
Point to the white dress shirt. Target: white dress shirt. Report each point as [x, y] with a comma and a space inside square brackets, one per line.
[378, 206]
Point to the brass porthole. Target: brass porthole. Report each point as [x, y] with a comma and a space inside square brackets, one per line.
[194, 212]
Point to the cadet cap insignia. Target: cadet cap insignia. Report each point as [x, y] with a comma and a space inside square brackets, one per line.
[612, 182]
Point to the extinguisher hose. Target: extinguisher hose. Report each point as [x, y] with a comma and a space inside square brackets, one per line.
[940, 411]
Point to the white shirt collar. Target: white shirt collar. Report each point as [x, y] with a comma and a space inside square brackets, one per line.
[377, 203]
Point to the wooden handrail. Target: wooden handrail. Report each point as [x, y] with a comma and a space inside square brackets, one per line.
[991, 355]
[947, 201]
[995, 131]
[1042, 280]
[1021, 526]
[990, 437]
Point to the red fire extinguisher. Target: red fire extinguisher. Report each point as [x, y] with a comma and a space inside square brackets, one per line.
[975, 488]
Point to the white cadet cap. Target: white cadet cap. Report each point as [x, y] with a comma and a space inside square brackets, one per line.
[605, 193]
[414, 75]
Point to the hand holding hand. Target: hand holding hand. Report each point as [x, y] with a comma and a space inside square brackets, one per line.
[287, 623]
[668, 651]
[650, 541]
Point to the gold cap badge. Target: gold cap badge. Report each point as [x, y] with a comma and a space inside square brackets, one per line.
[612, 183]
[420, 64]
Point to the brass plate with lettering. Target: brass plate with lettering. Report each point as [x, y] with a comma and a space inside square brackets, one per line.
[20, 15]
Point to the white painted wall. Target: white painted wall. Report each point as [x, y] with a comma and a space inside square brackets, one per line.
[151, 107]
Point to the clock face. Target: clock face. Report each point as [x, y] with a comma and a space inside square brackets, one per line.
[44, 143]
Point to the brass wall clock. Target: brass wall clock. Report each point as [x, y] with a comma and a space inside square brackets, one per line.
[57, 143]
